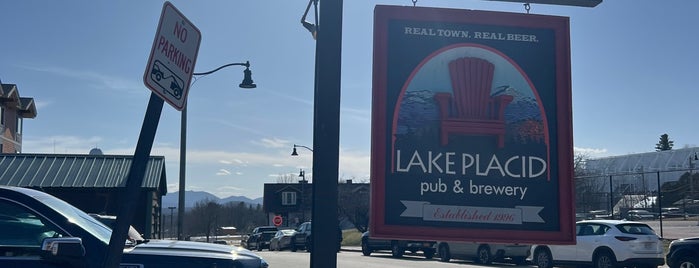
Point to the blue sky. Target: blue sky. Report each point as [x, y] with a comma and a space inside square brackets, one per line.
[634, 77]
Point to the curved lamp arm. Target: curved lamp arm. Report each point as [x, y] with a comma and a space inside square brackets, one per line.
[246, 64]
[247, 79]
[294, 153]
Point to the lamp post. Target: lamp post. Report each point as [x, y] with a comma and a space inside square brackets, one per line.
[691, 169]
[302, 202]
[303, 181]
[247, 83]
[171, 226]
[691, 184]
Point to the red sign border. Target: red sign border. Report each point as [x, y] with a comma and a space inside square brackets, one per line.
[559, 25]
[274, 220]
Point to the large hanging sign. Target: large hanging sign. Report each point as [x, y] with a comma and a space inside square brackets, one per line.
[471, 126]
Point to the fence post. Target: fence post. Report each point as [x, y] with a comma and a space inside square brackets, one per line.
[660, 206]
[611, 198]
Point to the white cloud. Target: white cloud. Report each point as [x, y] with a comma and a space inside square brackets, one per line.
[100, 80]
[273, 143]
[223, 172]
[592, 152]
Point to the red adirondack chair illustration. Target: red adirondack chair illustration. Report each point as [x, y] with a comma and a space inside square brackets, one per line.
[472, 111]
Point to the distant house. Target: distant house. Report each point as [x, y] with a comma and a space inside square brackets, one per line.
[294, 201]
[92, 183]
[13, 110]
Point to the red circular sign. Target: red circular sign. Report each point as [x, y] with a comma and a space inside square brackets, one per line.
[277, 220]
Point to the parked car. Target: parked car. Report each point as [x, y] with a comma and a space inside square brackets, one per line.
[584, 216]
[281, 240]
[397, 247]
[683, 253]
[260, 236]
[40, 230]
[605, 243]
[303, 238]
[600, 214]
[673, 212]
[483, 253]
[640, 215]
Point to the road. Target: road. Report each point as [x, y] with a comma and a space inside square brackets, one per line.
[676, 228]
[351, 259]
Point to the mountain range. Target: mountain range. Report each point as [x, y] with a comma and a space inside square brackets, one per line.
[192, 197]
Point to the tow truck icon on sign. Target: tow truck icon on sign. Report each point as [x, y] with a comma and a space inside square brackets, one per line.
[168, 81]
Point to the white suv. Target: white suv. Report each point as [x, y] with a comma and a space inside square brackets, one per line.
[605, 244]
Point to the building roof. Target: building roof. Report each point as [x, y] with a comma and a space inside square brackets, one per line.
[9, 95]
[77, 171]
[670, 160]
[27, 108]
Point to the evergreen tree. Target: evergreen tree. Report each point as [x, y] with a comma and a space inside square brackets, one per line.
[665, 144]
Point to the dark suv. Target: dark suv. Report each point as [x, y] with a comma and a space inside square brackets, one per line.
[683, 253]
[397, 247]
[260, 237]
[303, 238]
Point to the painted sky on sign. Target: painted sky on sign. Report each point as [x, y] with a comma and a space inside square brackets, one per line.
[634, 76]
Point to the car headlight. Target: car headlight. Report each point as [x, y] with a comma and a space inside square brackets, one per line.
[263, 263]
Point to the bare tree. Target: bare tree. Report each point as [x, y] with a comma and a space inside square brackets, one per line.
[205, 217]
[287, 178]
[588, 189]
[353, 204]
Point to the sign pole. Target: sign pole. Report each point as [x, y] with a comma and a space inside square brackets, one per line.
[129, 196]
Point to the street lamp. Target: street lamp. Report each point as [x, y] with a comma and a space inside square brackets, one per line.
[294, 153]
[691, 169]
[691, 184]
[302, 183]
[247, 83]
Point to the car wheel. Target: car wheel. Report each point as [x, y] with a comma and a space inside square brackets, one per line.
[542, 258]
[484, 256]
[396, 250]
[688, 262]
[444, 254]
[429, 253]
[604, 259]
[366, 251]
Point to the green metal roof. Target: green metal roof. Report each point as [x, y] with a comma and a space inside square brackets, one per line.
[77, 171]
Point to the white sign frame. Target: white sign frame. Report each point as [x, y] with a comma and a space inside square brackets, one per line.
[172, 57]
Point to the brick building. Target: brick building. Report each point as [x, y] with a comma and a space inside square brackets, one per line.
[13, 110]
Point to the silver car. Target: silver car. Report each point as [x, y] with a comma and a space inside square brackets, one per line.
[483, 253]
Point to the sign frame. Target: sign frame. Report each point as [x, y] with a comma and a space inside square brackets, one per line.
[173, 56]
[399, 60]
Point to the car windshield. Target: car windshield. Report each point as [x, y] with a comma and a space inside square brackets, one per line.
[635, 228]
[78, 217]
